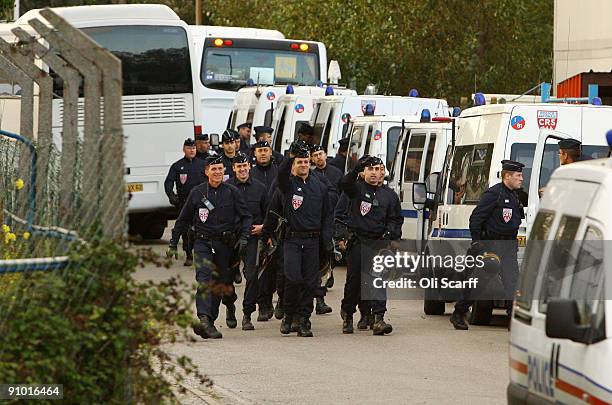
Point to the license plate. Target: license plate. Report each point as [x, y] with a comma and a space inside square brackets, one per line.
[135, 187]
[521, 240]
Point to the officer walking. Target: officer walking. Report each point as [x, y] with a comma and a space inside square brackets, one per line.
[229, 152]
[244, 130]
[264, 133]
[255, 194]
[340, 160]
[203, 146]
[494, 224]
[221, 218]
[265, 169]
[374, 214]
[184, 174]
[309, 226]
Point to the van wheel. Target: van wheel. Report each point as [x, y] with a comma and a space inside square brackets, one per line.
[154, 230]
[433, 307]
[482, 312]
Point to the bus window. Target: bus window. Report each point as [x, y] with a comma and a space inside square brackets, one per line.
[154, 59]
[354, 147]
[263, 61]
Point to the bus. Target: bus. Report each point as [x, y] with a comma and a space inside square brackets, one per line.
[230, 58]
[159, 98]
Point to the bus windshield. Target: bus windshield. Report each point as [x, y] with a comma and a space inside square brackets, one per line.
[229, 68]
[154, 59]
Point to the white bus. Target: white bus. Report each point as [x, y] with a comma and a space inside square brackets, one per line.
[155, 48]
[229, 58]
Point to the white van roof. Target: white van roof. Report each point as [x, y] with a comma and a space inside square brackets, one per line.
[507, 108]
[387, 118]
[87, 14]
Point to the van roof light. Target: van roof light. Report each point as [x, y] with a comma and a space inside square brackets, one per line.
[413, 93]
[609, 137]
[479, 99]
[456, 111]
[319, 83]
[329, 91]
[425, 115]
[289, 89]
[368, 110]
[596, 101]
[250, 82]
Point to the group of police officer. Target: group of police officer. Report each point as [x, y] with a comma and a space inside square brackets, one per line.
[231, 202]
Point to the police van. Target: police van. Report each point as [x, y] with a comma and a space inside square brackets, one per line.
[561, 329]
[487, 134]
[332, 114]
[295, 107]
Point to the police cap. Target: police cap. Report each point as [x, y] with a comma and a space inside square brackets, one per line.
[262, 144]
[302, 153]
[569, 144]
[306, 129]
[189, 142]
[315, 148]
[512, 166]
[245, 125]
[371, 161]
[202, 137]
[263, 129]
[241, 158]
[227, 136]
[214, 160]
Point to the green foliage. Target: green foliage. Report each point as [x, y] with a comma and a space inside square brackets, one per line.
[95, 330]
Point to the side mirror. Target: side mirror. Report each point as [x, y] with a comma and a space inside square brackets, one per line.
[563, 321]
[419, 195]
[214, 139]
[432, 181]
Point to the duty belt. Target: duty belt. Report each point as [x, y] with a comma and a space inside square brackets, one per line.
[223, 236]
[302, 235]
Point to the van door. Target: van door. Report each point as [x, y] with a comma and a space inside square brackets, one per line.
[354, 150]
[279, 124]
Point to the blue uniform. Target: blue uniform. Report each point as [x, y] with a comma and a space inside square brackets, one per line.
[333, 175]
[256, 196]
[374, 213]
[265, 174]
[339, 162]
[229, 168]
[220, 217]
[309, 220]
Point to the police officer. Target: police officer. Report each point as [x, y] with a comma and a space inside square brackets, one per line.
[570, 151]
[221, 218]
[244, 130]
[374, 214]
[494, 224]
[340, 160]
[255, 194]
[264, 133]
[306, 208]
[265, 169]
[184, 174]
[203, 146]
[229, 152]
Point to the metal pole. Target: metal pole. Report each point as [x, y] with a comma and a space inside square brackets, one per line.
[198, 12]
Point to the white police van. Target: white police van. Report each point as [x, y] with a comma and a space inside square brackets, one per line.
[256, 104]
[295, 107]
[561, 329]
[486, 135]
[332, 114]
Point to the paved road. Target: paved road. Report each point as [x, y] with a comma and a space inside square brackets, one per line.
[423, 361]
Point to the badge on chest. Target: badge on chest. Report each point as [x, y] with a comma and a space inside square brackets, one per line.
[203, 213]
[365, 207]
[296, 201]
[183, 178]
[507, 214]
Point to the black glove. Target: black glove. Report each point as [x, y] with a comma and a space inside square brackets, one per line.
[242, 247]
[172, 252]
[476, 248]
[174, 200]
[387, 236]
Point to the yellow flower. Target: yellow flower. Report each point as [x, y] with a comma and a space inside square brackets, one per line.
[10, 237]
[19, 184]
[26, 235]
[6, 228]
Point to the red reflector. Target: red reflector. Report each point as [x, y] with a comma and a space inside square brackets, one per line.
[197, 129]
[442, 119]
[228, 42]
[295, 46]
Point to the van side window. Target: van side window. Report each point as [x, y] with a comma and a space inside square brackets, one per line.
[559, 260]
[231, 124]
[469, 176]
[533, 258]
[268, 117]
[278, 134]
[588, 279]
[429, 156]
[298, 124]
[393, 135]
[250, 116]
[523, 153]
[354, 147]
[368, 140]
[324, 140]
[413, 157]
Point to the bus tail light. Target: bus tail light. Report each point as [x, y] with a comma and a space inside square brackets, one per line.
[228, 42]
[218, 42]
[295, 46]
[303, 47]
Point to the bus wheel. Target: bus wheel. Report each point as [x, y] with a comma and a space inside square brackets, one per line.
[154, 230]
[433, 307]
[482, 312]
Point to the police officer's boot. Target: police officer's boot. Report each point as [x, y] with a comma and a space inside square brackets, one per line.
[246, 322]
[330, 281]
[278, 310]
[188, 260]
[295, 324]
[262, 315]
[285, 327]
[304, 327]
[206, 329]
[322, 307]
[347, 322]
[458, 320]
[237, 275]
[380, 326]
[230, 316]
[364, 320]
[270, 310]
